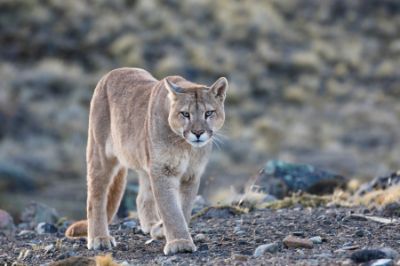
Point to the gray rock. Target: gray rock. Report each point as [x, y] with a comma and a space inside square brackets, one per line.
[46, 228]
[7, 226]
[25, 233]
[49, 248]
[316, 239]
[270, 248]
[200, 237]
[380, 182]
[279, 178]
[131, 224]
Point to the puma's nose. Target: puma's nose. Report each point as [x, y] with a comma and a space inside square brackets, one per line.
[198, 133]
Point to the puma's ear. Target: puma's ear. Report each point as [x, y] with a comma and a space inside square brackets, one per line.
[172, 87]
[219, 88]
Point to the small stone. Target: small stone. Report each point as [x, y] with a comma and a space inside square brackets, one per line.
[75, 246]
[26, 233]
[359, 233]
[6, 223]
[46, 228]
[48, 248]
[296, 242]
[382, 262]
[200, 237]
[270, 248]
[240, 232]
[316, 239]
[129, 224]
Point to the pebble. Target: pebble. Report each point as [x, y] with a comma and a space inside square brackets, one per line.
[200, 237]
[129, 224]
[316, 239]
[359, 233]
[296, 242]
[382, 262]
[270, 248]
[48, 248]
[75, 246]
[46, 228]
[26, 233]
[238, 230]
[6, 223]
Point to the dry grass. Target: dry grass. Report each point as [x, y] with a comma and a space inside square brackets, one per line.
[305, 200]
[256, 200]
[106, 260]
[378, 198]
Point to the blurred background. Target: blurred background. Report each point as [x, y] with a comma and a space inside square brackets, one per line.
[310, 82]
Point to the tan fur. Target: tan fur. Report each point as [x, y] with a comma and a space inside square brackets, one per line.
[141, 123]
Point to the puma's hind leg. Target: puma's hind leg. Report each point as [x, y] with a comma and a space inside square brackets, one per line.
[106, 183]
[116, 190]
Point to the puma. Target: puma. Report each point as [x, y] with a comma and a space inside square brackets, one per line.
[163, 129]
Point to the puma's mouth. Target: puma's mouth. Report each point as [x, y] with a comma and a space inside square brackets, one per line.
[198, 143]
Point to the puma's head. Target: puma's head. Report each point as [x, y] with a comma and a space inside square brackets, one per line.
[196, 113]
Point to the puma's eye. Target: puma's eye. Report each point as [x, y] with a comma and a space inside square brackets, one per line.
[209, 113]
[185, 114]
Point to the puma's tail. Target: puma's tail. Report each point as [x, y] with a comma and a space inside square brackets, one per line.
[78, 229]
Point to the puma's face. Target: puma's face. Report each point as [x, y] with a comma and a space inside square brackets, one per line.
[197, 113]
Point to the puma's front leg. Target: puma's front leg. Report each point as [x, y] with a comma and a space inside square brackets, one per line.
[166, 194]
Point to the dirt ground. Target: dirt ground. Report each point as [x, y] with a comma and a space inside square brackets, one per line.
[228, 239]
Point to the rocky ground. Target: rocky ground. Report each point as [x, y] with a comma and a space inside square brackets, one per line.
[225, 236]
[310, 81]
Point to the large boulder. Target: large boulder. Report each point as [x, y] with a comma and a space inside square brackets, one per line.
[280, 179]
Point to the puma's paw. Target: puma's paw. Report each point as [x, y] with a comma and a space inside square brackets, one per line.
[101, 243]
[157, 231]
[179, 245]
